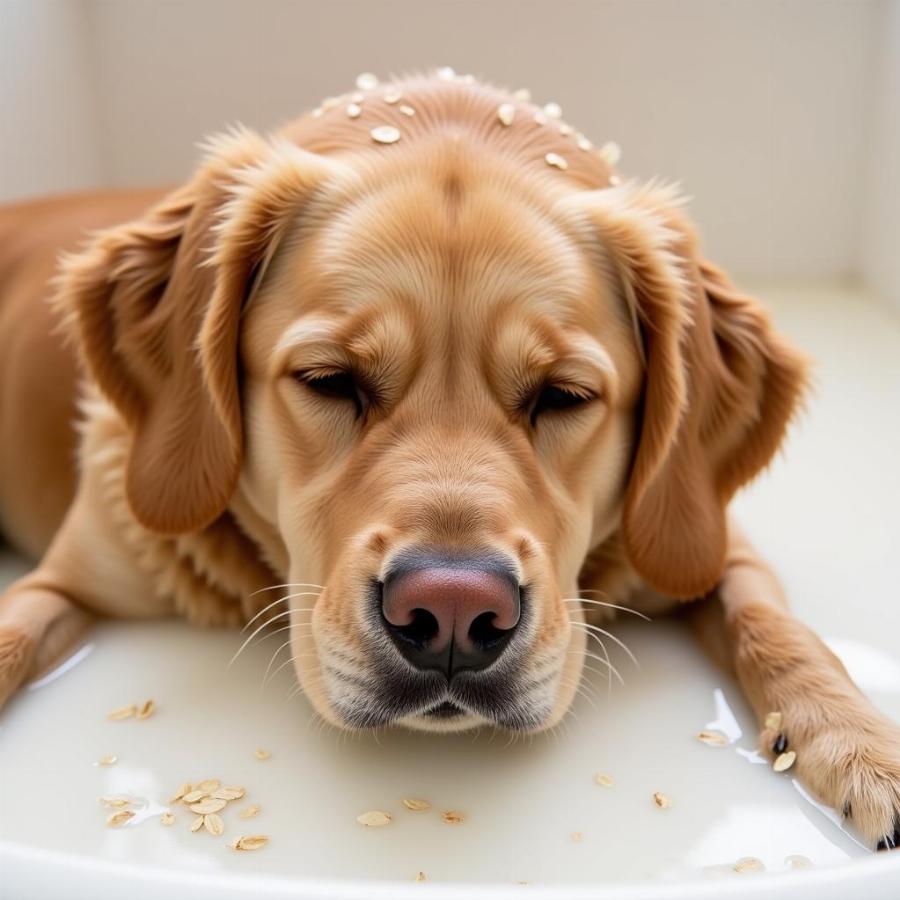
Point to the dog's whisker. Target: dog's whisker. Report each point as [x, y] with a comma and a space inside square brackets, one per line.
[612, 637]
[287, 662]
[606, 658]
[287, 643]
[634, 612]
[275, 587]
[600, 659]
[276, 602]
[260, 628]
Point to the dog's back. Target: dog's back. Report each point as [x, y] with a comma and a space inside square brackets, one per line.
[38, 373]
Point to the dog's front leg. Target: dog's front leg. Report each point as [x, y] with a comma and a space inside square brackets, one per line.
[87, 571]
[847, 752]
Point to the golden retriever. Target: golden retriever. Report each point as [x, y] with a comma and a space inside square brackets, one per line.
[423, 361]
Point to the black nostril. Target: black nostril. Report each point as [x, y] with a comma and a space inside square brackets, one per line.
[484, 635]
[423, 628]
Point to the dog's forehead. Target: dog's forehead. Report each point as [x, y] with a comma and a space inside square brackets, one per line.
[444, 235]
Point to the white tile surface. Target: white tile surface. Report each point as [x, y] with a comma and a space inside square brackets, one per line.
[825, 514]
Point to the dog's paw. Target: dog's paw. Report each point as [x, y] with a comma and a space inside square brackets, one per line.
[852, 765]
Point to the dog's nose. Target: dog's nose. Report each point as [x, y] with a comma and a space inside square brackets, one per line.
[451, 614]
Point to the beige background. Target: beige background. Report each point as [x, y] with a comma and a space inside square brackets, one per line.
[780, 117]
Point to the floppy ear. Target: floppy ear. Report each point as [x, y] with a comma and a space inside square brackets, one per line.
[720, 389]
[155, 305]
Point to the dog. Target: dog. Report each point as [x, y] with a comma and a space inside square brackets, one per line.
[424, 365]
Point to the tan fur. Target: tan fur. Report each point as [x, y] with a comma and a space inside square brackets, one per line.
[454, 272]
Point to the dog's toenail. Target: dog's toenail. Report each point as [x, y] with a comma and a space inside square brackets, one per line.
[780, 745]
[848, 810]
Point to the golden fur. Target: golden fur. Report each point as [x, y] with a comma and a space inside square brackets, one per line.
[454, 273]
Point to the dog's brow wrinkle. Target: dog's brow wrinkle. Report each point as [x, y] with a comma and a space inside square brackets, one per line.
[453, 191]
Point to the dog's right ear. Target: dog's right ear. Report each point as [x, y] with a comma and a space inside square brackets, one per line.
[155, 305]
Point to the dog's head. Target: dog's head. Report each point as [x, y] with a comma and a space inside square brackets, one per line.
[434, 376]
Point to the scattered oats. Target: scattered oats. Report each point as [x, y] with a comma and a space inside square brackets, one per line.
[661, 800]
[467, 79]
[576, 836]
[167, 818]
[540, 118]
[582, 142]
[262, 754]
[566, 130]
[506, 112]
[713, 738]
[330, 103]
[610, 153]
[228, 793]
[416, 805]
[797, 861]
[784, 761]
[214, 824]
[552, 110]
[406, 109]
[115, 802]
[523, 95]
[445, 73]
[205, 807]
[374, 818]
[123, 712]
[197, 824]
[194, 796]
[749, 864]
[119, 818]
[453, 817]
[385, 134]
[357, 97]
[354, 110]
[603, 780]
[420, 876]
[248, 812]
[773, 721]
[147, 709]
[209, 785]
[392, 97]
[317, 112]
[110, 760]
[557, 161]
[614, 181]
[367, 81]
[181, 792]
[253, 842]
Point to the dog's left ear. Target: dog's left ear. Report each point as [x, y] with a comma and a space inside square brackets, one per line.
[720, 387]
[154, 307]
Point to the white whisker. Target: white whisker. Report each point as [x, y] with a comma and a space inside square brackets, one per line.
[634, 612]
[600, 659]
[276, 602]
[612, 637]
[275, 587]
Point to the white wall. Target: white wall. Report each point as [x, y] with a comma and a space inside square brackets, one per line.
[49, 127]
[758, 106]
[880, 233]
[754, 105]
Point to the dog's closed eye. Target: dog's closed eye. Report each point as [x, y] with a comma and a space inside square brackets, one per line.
[555, 398]
[339, 384]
